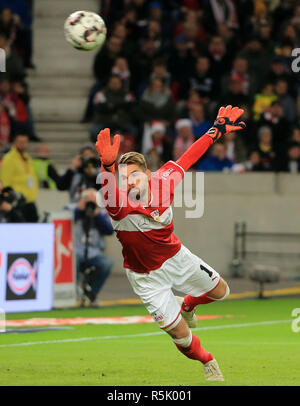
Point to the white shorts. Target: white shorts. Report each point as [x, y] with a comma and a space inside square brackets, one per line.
[184, 272]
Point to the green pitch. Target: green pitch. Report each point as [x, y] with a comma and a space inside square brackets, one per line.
[255, 345]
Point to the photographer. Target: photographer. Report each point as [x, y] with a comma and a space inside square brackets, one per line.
[11, 206]
[91, 224]
[18, 173]
[86, 174]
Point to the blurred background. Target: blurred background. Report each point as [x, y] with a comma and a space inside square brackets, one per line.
[165, 69]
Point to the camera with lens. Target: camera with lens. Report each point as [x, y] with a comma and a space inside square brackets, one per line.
[90, 208]
[89, 163]
[14, 213]
[9, 195]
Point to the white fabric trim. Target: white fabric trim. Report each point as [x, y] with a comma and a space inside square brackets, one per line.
[185, 341]
[178, 166]
[226, 294]
[120, 208]
[142, 223]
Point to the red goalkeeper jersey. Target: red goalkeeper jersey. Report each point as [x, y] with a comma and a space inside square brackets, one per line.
[146, 232]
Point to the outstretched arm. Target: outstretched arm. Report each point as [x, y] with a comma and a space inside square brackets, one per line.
[227, 120]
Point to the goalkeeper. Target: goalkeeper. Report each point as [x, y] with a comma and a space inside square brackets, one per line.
[155, 260]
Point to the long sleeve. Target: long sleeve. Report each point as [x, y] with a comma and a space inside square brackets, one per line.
[195, 152]
[63, 182]
[103, 224]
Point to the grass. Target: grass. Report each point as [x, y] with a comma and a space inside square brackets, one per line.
[259, 354]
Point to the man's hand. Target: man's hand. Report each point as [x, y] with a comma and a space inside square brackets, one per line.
[76, 163]
[108, 152]
[227, 121]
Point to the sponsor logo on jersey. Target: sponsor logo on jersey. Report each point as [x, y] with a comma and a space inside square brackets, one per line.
[155, 215]
[159, 318]
[21, 276]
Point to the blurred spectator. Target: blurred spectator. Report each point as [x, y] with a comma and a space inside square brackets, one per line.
[120, 31]
[156, 144]
[264, 36]
[191, 28]
[201, 81]
[220, 12]
[220, 59]
[274, 118]
[86, 167]
[91, 225]
[15, 99]
[142, 65]
[153, 140]
[5, 129]
[235, 147]
[105, 59]
[216, 161]
[295, 135]
[17, 171]
[185, 137]
[199, 121]
[155, 11]
[113, 108]
[287, 102]
[240, 73]
[14, 64]
[9, 24]
[234, 94]
[265, 148]
[180, 60]
[291, 162]
[121, 69]
[183, 106]
[277, 71]
[254, 162]
[156, 103]
[160, 72]
[22, 12]
[258, 60]
[263, 100]
[46, 173]
[290, 35]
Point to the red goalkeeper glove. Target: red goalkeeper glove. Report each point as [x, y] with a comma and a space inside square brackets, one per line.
[227, 121]
[108, 152]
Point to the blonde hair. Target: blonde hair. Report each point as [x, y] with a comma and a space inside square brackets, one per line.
[133, 158]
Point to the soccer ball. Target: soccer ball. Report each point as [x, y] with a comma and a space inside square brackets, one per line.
[85, 30]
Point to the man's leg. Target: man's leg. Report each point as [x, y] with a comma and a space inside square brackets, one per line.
[220, 292]
[190, 346]
[103, 265]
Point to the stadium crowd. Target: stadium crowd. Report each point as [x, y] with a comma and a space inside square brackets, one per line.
[167, 66]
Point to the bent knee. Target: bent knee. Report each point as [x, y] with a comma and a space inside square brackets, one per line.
[221, 292]
[184, 341]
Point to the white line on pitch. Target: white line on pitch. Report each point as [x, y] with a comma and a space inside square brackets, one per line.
[155, 333]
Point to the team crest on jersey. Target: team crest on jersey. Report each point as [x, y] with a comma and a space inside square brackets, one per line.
[165, 174]
[159, 319]
[155, 215]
